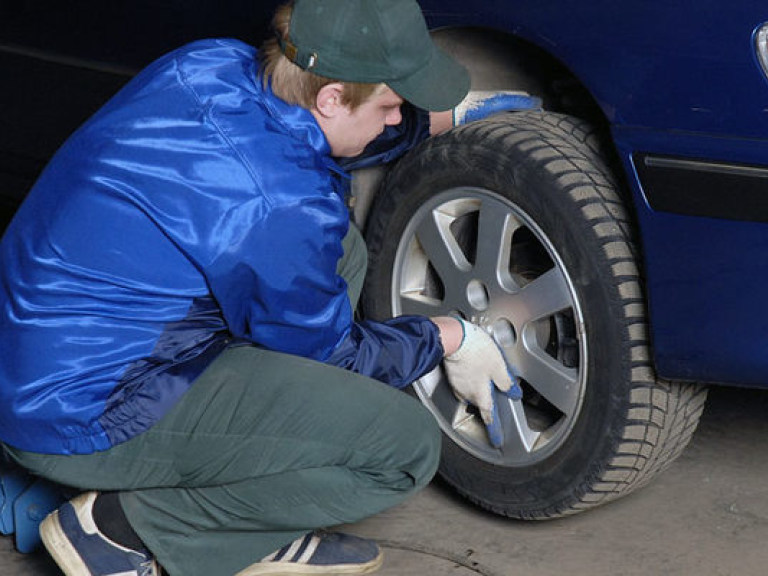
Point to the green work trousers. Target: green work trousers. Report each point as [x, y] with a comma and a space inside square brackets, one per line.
[263, 448]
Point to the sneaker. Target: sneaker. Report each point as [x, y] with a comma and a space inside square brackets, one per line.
[320, 553]
[71, 537]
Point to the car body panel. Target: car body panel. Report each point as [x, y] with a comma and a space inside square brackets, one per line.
[705, 276]
[683, 66]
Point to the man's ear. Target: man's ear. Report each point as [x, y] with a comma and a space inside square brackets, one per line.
[328, 102]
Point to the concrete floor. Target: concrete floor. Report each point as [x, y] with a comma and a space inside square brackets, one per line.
[707, 515]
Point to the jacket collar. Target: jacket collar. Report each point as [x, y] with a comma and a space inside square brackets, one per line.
[300, 123]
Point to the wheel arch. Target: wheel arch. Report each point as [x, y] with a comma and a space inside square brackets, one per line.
[499, 60]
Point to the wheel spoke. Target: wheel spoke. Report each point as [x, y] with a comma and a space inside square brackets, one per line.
[441, 247]
[428, 383]
[445, 402]
[545, 296]
[555, 382]
[519, 439]
[495, 229]
[416, 303]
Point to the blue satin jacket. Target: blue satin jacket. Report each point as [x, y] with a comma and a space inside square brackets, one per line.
[193, 212]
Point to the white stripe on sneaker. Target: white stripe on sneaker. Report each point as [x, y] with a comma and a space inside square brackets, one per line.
[311, 547]
[291, 552]
[342, 554]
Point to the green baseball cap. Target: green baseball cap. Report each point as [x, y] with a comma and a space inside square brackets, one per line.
[375, 41]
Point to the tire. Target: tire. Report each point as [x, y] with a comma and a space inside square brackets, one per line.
[515, 223]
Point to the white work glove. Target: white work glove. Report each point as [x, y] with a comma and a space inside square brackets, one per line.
[479, 104]
[475, 370]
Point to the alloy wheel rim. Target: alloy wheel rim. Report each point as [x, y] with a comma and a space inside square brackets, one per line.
[471, 252]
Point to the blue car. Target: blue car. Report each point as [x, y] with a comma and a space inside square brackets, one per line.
[610, 241]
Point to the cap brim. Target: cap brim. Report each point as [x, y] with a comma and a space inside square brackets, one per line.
[439, 85]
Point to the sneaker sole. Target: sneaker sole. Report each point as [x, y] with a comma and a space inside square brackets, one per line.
[60, 548]
[293, 569]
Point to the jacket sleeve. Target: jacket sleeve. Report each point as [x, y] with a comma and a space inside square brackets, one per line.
[396, 352]
[393, 142]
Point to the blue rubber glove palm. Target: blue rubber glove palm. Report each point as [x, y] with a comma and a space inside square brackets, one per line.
[479, 104]
[475, 370]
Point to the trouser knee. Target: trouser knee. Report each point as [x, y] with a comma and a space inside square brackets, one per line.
[420, 440]
[432, 440]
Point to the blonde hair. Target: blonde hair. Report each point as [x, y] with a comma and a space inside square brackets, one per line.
[291, 83]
